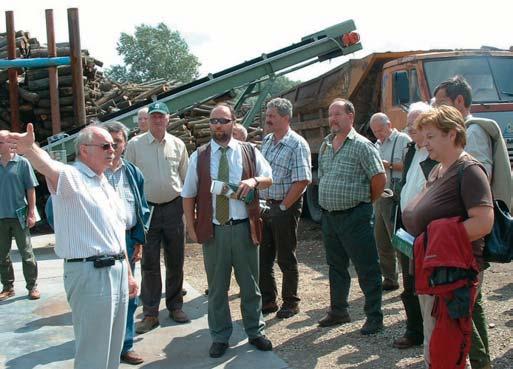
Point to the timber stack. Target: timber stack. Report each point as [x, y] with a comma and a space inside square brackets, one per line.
[102, 96]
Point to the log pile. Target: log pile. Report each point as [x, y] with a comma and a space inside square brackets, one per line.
[102, 96]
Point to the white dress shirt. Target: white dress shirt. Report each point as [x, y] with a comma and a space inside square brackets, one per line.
[234, 155]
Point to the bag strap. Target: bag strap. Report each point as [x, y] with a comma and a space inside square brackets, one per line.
[392, 156]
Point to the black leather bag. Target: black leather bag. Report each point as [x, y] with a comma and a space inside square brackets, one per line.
[498, 246]
[499, 243]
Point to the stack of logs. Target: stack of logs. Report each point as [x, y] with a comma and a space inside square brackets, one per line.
[102, 96]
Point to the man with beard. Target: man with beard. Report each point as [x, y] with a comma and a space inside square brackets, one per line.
[163, 159]
[351, 178]
[228, 228]
[90, 224]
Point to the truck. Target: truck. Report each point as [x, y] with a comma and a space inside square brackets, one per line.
[389, 82]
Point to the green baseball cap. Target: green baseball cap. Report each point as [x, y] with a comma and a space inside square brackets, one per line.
[158, 107]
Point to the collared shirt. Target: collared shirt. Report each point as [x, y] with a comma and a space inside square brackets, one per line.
[119, 182]
[15, 179]
[385, 151]
[415, 179]
[479, 145]
[345, 175]
[234, 155]
[163, 164]
[290, 161]
[89, 218]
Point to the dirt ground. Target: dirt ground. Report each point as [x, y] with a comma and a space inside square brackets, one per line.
[303, 345]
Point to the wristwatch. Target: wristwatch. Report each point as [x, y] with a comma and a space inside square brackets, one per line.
[283, 207]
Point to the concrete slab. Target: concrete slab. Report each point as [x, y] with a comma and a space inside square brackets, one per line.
[39, 334]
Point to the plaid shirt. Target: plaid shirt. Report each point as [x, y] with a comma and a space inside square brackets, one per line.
[290, 161]
[345, 175]
[120, 184]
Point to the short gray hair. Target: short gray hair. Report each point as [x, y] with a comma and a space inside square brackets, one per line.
[85, 136]
[282, 106]
[381, 118]
[115, 126]
[142, 111]
[415, 110]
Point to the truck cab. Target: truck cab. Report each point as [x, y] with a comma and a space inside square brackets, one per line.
[415, 77]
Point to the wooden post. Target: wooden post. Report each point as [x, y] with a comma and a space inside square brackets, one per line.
[52, 74]
[13, 73]
[76, 67]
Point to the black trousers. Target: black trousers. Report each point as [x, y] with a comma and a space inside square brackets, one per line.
[166, 229]
[414, 327]
[279, 240]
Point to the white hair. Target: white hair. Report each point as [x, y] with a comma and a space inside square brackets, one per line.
[381, 118]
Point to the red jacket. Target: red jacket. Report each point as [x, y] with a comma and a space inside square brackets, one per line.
[446, 244]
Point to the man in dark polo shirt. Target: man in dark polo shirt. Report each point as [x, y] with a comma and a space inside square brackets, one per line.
[351, 177]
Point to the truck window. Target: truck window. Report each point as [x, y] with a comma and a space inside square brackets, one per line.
[414, 86]
[476, 70]
[502, 69]
[400, 88]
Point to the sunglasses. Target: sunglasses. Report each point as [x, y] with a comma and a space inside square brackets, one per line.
[219, 121]
[105, 146]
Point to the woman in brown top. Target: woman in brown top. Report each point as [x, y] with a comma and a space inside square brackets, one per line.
[444, 196]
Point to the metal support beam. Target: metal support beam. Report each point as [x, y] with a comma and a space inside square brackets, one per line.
[35, 63]
[13, 73]
[76, 67]
[248, 119]
[52, 74]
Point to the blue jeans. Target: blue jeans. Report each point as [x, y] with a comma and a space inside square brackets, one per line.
[128, 343]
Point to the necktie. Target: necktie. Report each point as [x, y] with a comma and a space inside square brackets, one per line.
[222, 202]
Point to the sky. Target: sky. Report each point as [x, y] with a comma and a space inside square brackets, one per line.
[224, 33]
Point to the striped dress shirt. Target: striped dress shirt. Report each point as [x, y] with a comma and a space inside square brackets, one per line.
[89, 217]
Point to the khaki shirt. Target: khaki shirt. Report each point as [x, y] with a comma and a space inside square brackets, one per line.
[163, 164]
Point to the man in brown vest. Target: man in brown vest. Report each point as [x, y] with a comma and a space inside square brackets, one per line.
[229, 228]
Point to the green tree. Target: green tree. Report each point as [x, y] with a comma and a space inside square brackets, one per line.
[152, 53]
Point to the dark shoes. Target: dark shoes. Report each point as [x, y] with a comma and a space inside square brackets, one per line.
[179, 316]
[371, 327]
[6, 293]
[331, 320]
[262, 343]
[405, 342]
[389, 285]
[217, 349]
[34, 294]
[269, 308]
[132, 358]
[147, 324]
[287, 312]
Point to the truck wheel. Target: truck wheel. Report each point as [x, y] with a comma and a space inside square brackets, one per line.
[312, 202]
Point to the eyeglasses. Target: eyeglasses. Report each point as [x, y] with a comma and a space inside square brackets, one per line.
[105, 146]
[219, 121]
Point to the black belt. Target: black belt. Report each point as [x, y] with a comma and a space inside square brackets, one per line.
[273, 201]
[232, 222]
[120, 256]
[163, 203]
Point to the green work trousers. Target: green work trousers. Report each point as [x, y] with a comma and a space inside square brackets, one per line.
[9, 228]
[479, 350]
[348, 235]
[232, 247]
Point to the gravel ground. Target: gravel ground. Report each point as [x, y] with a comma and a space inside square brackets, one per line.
[303, 345]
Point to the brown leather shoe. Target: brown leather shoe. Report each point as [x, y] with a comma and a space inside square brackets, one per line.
[270, 307]
[405, 342]
[330, 320]
[287, 312]
[147, 324]
[132, 358]
[34, 294]
[179, 316]
[6, 293]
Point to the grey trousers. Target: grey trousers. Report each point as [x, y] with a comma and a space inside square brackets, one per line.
[232, 247]
[98, 298]
[383, 232]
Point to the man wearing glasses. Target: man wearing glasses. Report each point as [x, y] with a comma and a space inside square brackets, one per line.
[90, 225]
[163, 160]
[228, 227]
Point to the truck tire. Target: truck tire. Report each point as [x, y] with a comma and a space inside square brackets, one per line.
[312, 202]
